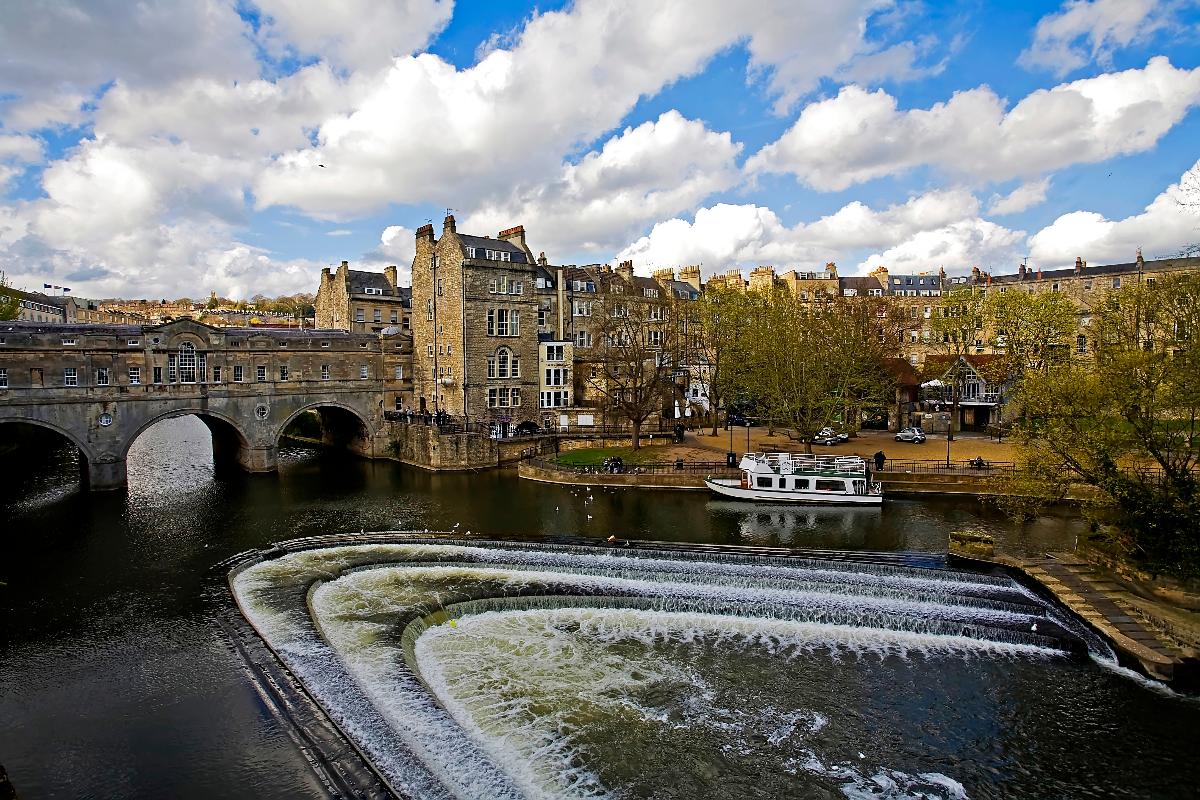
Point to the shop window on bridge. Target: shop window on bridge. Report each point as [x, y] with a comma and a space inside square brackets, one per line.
[324, 372]
[158, 374]
[237, 373]
[217, 374]
[70, 376]
[261, 373]
[3, 378]
[102, 376]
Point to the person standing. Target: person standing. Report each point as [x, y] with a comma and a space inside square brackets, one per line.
[879, 459]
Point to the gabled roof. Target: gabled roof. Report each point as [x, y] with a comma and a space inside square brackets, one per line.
[900, 369]
[683, 290]
[989, 366]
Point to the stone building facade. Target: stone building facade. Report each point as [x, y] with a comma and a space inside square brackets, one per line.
[362, 302]
[474, 323]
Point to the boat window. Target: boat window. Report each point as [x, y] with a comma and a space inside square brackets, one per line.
[763, 482]
[783, 483]
[802, 484]
[830, 486]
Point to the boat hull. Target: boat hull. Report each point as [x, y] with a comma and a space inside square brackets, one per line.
[734, 489]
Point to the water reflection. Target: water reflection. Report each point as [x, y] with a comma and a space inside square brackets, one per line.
[108, 632]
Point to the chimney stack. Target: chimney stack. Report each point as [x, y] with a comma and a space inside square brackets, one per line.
[625, 270]
[516, 235]
[390, 273]
[448, 224]
[1079, 265]
[326, 276]
[542, 262]
[1021, 272]
[425, 232]
[691, 275]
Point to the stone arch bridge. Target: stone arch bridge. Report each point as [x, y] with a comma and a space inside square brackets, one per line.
[101, 386]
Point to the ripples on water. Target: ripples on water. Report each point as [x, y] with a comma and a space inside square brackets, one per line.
[115, 682]
[519, 671]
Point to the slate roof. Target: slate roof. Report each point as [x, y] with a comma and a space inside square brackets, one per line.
[360, 281]
[1155, 265]
[861, 283]
[483, 243]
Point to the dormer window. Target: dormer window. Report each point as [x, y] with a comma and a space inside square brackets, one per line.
[470, 252]
[653, 293]
[372, 290]
[68, 342]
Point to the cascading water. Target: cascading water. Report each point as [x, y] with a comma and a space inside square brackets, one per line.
[504, 670]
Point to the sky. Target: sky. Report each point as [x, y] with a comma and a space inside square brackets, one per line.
[170, 148]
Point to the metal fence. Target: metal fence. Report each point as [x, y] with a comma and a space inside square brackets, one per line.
[679, 467]
[935, 467]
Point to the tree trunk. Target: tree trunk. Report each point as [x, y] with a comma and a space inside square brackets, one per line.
[637, 434]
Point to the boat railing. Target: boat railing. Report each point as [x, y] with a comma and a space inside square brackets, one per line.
[852, 466]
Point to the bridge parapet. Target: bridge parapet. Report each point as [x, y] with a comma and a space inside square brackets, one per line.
[102, 385]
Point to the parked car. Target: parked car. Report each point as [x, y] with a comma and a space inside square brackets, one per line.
[826, 439]
[738, 419]
[915, 435]
[829, 433]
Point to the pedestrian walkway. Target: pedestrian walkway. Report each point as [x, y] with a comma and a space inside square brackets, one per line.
[1110, 609]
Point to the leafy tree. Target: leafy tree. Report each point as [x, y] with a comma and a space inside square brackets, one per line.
[956, 330]
[1034, 331]
[725, 319]
[637, 353]
[10, 304]
[1125, 419]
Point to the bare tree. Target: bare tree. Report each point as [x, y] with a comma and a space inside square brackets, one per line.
[637, 355]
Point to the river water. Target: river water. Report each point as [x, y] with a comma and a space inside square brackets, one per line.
[116, 682]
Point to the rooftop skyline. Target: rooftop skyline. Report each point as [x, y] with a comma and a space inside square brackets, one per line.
[167, 148]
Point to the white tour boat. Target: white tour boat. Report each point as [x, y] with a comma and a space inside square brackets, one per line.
[797, 478]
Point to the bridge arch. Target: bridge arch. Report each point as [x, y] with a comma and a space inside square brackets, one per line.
[228, 436]
[342, 426]
[66, 433]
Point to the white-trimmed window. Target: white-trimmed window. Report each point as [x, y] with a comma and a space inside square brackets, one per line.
[187, 362]
[399, 373]
[504, 364]
[651, 293]
[324, 344]
[364, 372]
[237, 373]
[503, 322]
[583, 339]
[135, 376]
[70, 376]
[283, 372]
[378, 315]
[372, 290]
[554, 352]
[395, 317]
[429, 350]
[429, 308]
[324, 372]
[133, 342]
[4, 378]
[556, 376]
[261, 373]
[68, 342]
[514, 396]
[102, 374]
[217, 373]
[158, 374]
[581, 308]
[360, 315]
[655, 338]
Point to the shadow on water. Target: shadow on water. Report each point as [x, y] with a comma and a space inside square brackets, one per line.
[113, 678]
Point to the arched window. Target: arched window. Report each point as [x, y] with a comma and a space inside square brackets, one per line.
[187, 363]
[503, 356]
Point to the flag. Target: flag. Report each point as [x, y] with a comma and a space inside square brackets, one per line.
[46, 286]
[66, 288]
[57, 287]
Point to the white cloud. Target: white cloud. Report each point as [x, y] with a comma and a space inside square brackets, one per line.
[428, 131]
[360, 34]
[926, 232]
[858, 135]
[1164, 226]
[643, 174]
[58, 54]
[340, 232]
[1027, 195]
[1088, 31]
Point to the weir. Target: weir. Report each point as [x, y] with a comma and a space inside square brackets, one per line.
[515, 669]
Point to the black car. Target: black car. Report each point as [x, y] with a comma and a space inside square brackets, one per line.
[738, 419]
